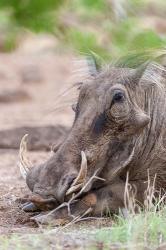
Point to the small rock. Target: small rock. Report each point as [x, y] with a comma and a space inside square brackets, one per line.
[10, 96]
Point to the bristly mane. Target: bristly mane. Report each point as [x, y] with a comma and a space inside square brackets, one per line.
[150, 148]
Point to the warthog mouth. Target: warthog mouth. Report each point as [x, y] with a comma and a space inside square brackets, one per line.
[25, 165]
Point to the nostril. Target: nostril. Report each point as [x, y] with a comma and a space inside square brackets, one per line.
[64, 185]
[70, 180]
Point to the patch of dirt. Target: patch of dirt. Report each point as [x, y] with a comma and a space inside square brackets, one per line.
[12, 188]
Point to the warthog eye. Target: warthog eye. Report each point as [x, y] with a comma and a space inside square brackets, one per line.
[118, 97]
[119, 104]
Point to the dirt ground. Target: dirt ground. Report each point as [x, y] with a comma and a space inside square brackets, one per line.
[30, 84]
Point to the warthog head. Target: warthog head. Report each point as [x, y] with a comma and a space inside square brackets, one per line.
[110, 114]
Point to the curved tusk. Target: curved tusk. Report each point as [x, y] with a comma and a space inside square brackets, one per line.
[81, 178]
[83, 170]
[24, 163]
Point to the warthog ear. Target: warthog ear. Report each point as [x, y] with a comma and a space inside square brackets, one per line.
[149, 73]
[94, 63]
[138, 73]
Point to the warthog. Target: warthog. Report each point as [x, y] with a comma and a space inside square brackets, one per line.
[119, 128]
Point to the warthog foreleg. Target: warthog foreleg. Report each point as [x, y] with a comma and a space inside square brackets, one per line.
[95, 203]
[104, 201]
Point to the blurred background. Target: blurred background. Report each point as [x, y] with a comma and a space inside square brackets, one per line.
[40, 40]
[109, 28]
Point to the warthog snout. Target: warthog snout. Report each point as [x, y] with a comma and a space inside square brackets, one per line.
[44, 196]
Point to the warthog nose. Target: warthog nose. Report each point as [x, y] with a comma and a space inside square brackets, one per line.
[37, 203]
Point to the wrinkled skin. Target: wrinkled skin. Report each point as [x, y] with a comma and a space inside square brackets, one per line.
[114, 116]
